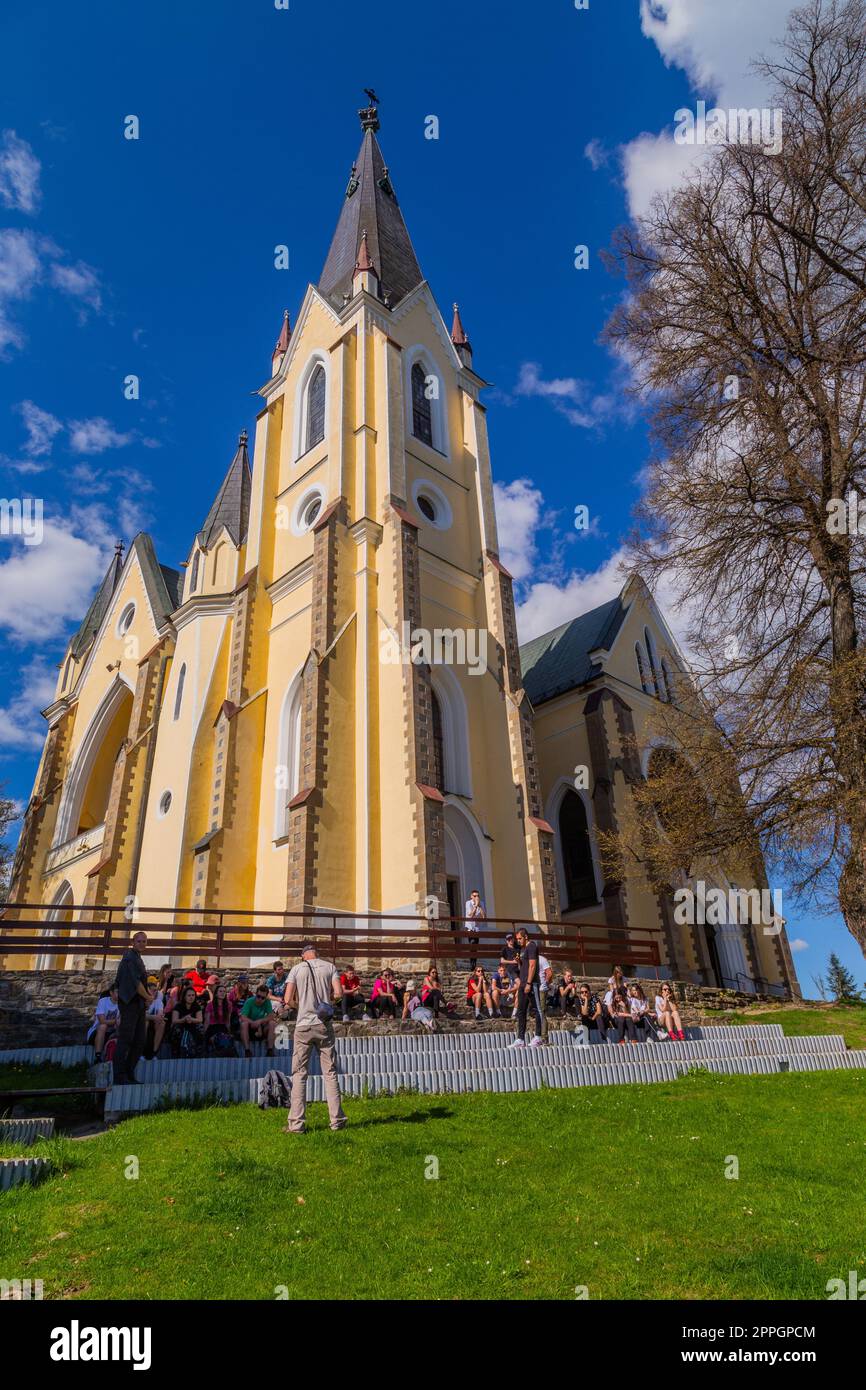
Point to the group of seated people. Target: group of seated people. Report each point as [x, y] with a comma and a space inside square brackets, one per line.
[198, 1014]
[623, 1010]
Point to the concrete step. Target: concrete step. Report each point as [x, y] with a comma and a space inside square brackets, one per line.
[527, 1072]
[57, 1056]
[25, 1132]
[15, 1171]
[377, 1054]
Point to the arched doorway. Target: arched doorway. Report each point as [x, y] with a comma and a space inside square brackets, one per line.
[464, 861]
[60, 911]
[85, 798]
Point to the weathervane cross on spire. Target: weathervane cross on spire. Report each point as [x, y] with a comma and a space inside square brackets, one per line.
[369, 114]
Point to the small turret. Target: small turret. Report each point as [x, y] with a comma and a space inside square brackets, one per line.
[282, 344]
[460, 340]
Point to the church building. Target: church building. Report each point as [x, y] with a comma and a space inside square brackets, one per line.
[328, 708]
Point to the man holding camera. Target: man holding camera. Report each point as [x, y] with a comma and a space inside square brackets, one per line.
[313, 988]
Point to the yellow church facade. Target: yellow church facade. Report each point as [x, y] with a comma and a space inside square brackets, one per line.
[328, 709]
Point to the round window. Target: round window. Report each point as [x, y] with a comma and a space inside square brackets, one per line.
[307, 510]
[165, 803]
[124, 622]
[432, 503]
[311, 511]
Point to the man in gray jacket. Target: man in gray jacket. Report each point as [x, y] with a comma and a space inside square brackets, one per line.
[313, 988]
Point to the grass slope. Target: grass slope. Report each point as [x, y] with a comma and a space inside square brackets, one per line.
[621, 1189]
[847, 1019]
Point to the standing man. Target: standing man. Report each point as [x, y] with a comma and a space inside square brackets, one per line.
[528, 991]
[133, 997]
[475, 912]
[313, 988]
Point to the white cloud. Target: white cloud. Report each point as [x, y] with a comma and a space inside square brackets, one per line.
[79, 281]
[44, 588]
[572, 397]
[596, 153]
[41, 428]
[518, 518]
[21, 724]
[19, 173]
[94, 436]
[715, 45]
[28, 261]
[651, 164]
[548, 603]
[20, 270]
[798, 944]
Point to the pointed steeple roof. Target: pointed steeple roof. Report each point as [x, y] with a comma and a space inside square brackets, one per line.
[231, 508]
[458, 332]
[370, 205]
[99, 607]
[363, 262]
[285, 334]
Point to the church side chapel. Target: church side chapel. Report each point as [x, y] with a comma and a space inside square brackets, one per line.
[230, 734]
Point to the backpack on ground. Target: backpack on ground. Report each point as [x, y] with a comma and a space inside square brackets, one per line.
[275, 1090]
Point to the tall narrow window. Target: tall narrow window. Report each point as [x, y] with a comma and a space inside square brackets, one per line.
[178, 699]
[653, 660]
[646, 685]
[576, 852]
[670, 693]
[316, 407]
[288, 778]
[422, 420]
[193, 581]
[66, 671]
[438, 744]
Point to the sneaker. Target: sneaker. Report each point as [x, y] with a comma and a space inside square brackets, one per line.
[518, 1042]
[537, 1042]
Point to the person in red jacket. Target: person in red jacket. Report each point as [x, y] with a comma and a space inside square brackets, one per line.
[351, 986]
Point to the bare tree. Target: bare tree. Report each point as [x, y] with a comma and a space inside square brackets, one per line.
[745, 318]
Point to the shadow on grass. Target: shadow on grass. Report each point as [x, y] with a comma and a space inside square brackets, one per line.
[415, 1117]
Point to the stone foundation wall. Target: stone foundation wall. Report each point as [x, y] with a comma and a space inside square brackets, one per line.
[52, 1008]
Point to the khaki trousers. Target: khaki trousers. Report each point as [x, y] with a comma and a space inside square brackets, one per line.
[312, 1032]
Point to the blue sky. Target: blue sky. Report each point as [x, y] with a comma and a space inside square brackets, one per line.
[155, 257]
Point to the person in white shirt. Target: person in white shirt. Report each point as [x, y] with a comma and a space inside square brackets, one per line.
[474, 913]
[106, 1018]
[668, 1013]
[155, 1018]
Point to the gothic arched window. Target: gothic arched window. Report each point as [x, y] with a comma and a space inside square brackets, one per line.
[667, 681]
[422, 419]
[193, 582]
[576, 850]
[316, 407]
[646, 684]
[178, 699]
[438, 744]
[289, 757]
[653, 660]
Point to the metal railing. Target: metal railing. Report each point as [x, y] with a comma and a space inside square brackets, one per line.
[217, 933]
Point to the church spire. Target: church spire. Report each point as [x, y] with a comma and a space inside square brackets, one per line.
[370, 205]
[460, 340]
[282, 344]
[231, 507]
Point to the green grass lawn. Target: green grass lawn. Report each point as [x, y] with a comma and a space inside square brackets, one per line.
[621, 1189]
[847, 1019]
